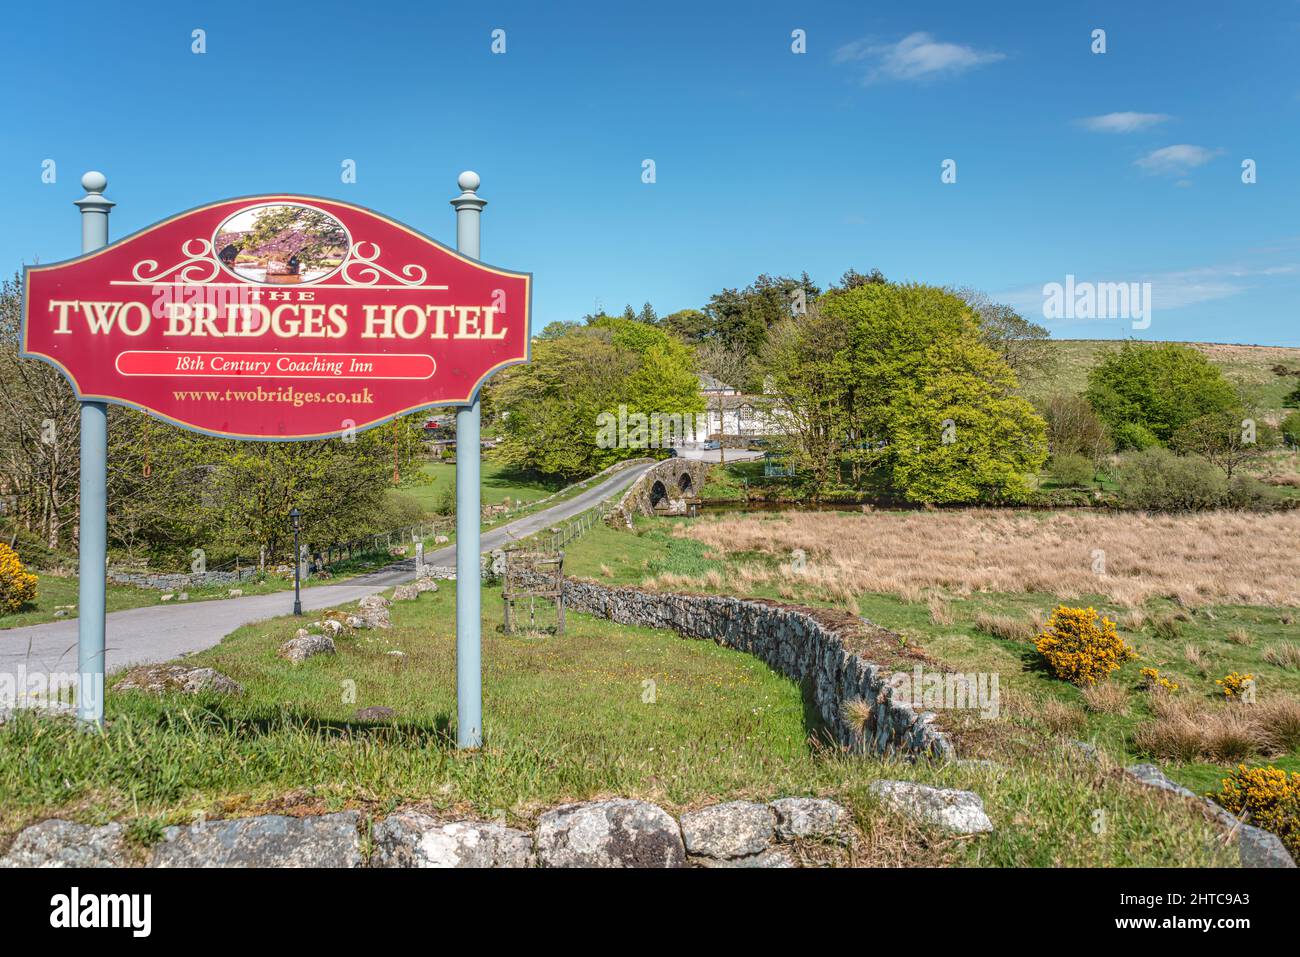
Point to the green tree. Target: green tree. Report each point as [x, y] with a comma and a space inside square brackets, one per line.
[1230, 439]
[1023, 345]
[172, 490]
[1158, 387]
[39, 457]
[897, 381]
[806, 361]
[689, 325]
[741, 318]
[552, 406]
[852, 279]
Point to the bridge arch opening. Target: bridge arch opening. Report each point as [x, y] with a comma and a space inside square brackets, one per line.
[658, 494]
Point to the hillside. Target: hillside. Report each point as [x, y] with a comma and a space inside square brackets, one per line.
[1266, 372]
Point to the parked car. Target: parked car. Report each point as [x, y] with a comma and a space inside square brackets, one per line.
[712, 444]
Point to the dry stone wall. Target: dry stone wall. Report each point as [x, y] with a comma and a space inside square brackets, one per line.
[825, 651]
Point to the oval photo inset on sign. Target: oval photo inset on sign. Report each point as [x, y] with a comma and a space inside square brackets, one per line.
[281, 244]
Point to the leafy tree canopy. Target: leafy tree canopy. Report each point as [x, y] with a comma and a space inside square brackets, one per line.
[551, 407]
[902, 373]
[1156, 387]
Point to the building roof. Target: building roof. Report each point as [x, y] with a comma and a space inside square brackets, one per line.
[710, 384]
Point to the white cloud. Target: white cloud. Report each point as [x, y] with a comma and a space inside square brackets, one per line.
[1176, 159]
[1127, 122]
[916, 56]
[1169, 290]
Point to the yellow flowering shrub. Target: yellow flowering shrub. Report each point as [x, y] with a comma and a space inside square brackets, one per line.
[1234, 684]
[1266, 797]
[17, 584]
[1081, 649]
[1152, 680]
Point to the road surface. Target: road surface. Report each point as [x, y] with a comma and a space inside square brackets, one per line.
[163, 632]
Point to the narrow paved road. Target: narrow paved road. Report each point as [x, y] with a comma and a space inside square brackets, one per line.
[162, 632]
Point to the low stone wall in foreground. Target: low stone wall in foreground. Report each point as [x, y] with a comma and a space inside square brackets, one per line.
[836, 657]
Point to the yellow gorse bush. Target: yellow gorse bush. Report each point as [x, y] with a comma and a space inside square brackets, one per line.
[17, 584]
[1235, 684]
[1266, 797]
[1080, 648]
[1152, 680]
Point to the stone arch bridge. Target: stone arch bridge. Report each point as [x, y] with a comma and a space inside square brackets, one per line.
[663, 489]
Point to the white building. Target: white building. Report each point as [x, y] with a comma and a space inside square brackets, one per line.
[734, 413]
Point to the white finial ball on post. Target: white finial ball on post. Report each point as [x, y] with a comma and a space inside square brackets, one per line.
[468, 181]
[94, 182]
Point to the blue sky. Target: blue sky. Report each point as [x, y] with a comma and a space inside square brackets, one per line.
[1123, 166]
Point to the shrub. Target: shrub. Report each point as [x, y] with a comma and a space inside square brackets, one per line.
[17, 584]
[1244, 491]
[1235, 684]
[1130, 436]
[1071, 469]
[32, 551]
[1157, 479]
[1080, 648]
[1291, 427]
[1266, 797]
[1152, 680]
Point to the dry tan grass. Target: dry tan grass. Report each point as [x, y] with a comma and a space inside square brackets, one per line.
[1195, 657]
[1105, 697]
[1006, 627]
[940, 611]
[1240, 636]
[1286, 654]
[857, 713]
[1280, 718]
[1213, 557]
[1061, 718]
[1187, 728]
[1133, 619]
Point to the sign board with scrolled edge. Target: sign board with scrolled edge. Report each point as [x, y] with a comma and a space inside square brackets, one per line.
[277, 317]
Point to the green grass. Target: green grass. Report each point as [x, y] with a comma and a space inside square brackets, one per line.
[565, 719]
[1249, 368]
[497, 482]
[53, 591]
[620, 558]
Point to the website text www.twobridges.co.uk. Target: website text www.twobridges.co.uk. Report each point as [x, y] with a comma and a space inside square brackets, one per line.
[288, 394]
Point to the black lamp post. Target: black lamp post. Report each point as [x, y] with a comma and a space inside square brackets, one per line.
[294, 515]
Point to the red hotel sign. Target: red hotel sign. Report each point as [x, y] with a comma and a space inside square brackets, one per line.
[276, 317]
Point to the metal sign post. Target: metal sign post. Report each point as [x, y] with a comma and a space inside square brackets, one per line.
[93, 521]
[469, 675]
[201, 321]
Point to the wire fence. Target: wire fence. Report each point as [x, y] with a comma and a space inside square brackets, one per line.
[558, 537]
